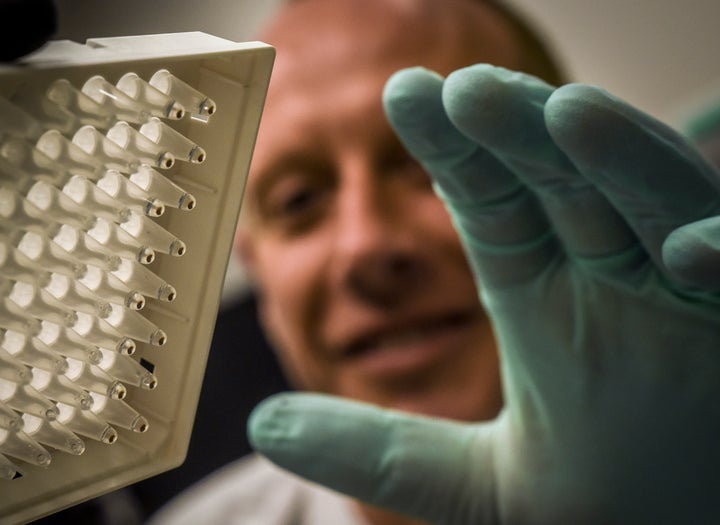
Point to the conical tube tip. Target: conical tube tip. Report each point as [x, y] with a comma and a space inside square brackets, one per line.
[109, 435]
[154, 208]
[7, 472]
[51, 414]
[167, 293]
[158, 338]
[140, 425]
[146, 255]
[117, 391]
[43, 459]
[85, 401]
[135, 301]
[77, 446]
[197, 155]
[187, 202]
[177, 248]
[175, 111]
[148, 381]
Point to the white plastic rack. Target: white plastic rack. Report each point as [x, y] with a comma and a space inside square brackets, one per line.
[122, 168]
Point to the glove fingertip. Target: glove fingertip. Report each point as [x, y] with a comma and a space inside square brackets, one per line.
[471, 85]
[497, 107]
[571, 114]
[692, 253]
[407, 91]
[263, 423]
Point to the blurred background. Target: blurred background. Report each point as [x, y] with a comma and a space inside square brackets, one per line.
[653, 53]
[660, 55]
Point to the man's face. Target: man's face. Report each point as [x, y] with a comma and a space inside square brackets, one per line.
[363, 284]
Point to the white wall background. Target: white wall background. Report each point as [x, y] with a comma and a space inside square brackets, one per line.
[661, 55]
[657, 54]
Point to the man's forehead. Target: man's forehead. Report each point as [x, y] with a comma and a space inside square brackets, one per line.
[364, 31]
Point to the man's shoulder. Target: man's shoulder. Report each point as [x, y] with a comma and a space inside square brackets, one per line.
[252, 491]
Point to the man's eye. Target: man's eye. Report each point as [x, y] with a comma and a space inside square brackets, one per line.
[298, 201]
[294, 207]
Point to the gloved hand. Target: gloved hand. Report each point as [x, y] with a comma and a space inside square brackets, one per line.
[610, 353]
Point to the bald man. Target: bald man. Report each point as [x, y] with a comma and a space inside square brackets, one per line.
[363, 286]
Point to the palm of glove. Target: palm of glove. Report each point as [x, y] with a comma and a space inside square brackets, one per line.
[564, 199]
[610, 364]
[612, 411]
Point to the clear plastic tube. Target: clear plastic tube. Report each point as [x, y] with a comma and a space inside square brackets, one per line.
[133, 324]
[85, 248]
[173, 141]
[107, 285]
[89, 112]
[77, 296]
[65, 339]
[14, 265]
[160, 187]
[99, 333]
[49, 256]
[8, 470]
[53, 434]
[126, 369]
[194, 101]
[17, 211]
[13, 370]
[112, 156]
[90, 196]
[33, 352]
[94, 379]
[58, 207]
[69, 156]
[59, 388]
[141, 147]
[27, 163]
[120, 414]
[13, 318]
[45, 111]
[157, 102]
[140, 278]
[86, 423]
[9, 174]
[119, 241]
[33, 254]
[116, 101]
[21, 446]
[130, 194]
[25, 398]
[9, 419]
[151, 234]
[40, 304]
[18, 123]
[68, 343]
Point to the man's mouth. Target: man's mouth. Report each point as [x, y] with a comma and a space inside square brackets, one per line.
[414, 345]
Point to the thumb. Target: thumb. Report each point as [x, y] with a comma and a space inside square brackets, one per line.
[436, 470]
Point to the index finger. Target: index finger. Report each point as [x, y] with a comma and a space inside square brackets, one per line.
[505, 231]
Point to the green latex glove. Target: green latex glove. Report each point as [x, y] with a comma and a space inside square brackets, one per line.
[611, 356]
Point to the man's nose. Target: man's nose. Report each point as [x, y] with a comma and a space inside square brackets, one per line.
[381, 258]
